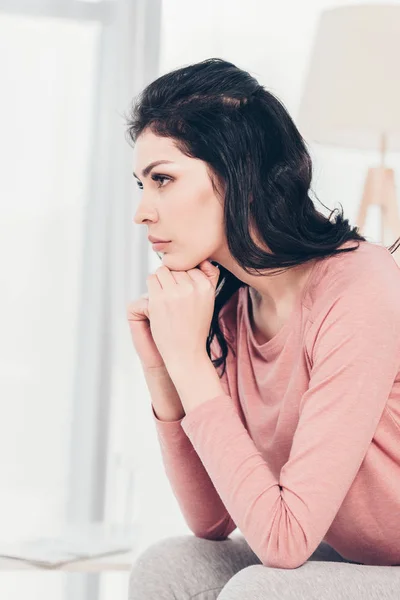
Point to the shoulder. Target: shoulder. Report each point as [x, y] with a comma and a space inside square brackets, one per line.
[365, 280]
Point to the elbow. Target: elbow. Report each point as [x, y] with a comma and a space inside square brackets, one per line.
[283, 562]
[211, 536]
[218, 532]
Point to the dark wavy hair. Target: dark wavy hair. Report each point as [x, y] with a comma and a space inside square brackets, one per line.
[255, 154]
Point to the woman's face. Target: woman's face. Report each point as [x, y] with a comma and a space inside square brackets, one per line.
[178, 203]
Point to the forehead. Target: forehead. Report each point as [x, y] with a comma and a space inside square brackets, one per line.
[151, 147]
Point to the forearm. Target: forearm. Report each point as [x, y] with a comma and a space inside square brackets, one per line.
[199, 502]
[165, 399]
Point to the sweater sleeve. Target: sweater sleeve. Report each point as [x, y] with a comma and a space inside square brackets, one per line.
[354, 352]
[199, 502]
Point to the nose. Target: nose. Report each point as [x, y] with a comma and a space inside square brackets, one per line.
[142, 215]
[140, 218]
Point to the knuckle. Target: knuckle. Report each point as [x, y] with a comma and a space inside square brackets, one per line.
[204, 284]
[184, 290]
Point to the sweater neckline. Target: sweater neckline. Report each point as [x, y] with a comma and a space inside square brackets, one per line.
[277, 341]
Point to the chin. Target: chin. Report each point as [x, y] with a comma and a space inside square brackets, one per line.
[175, 264]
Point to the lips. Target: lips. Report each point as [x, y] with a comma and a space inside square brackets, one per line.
[156, 240]
[159, 245]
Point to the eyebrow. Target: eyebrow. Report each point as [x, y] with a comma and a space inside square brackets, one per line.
[149, 167]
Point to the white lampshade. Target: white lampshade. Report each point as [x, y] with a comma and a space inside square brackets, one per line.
[352, 92]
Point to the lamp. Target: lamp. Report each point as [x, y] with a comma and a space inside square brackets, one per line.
[352, 95]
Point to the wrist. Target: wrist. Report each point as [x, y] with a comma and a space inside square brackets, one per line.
[196, 382]
[176, 367]
[160, 370]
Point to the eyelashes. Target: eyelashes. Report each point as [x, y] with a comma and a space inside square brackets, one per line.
[156, 177]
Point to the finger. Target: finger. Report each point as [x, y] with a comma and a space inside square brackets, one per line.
[210, 272]
[165, 277]
[153, 285]
[197, 276]
[178, 278]
[181, 277]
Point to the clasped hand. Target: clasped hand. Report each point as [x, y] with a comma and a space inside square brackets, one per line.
[181, 306]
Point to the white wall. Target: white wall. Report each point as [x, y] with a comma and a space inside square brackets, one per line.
[273, 41]
[45, 108]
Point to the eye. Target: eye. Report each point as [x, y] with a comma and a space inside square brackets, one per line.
[155, 177]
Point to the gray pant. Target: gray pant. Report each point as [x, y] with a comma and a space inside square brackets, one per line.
[186, 568]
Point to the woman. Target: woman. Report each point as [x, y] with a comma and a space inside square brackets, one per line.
[296, 441]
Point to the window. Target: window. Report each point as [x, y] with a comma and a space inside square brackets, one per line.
[69, 70]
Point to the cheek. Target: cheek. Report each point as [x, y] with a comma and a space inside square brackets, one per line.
[198, 221]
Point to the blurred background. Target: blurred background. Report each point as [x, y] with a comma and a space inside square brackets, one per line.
[77, 440]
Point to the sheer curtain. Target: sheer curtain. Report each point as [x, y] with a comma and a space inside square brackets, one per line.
[69, 264]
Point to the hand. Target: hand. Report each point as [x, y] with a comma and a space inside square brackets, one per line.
[181, 306]
[139, 324]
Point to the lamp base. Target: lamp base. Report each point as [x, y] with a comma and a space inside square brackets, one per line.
[380, 189]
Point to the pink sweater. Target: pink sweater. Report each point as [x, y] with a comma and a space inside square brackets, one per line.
[305, 444]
